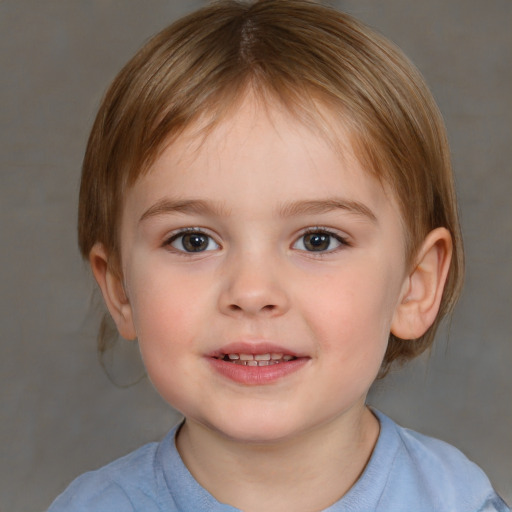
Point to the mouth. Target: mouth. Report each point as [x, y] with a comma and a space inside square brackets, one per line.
[269, 359]
[256, 364]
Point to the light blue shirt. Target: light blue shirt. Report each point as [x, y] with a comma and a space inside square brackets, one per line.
[407, 472]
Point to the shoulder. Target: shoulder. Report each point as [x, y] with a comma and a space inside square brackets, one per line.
[436, 473]
[127, 484]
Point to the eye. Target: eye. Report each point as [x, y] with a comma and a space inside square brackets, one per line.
[319, 241]
[192, 241]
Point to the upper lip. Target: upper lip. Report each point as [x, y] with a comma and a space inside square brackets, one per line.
[253, 347]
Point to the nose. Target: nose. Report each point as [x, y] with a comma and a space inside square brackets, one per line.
[253, 287]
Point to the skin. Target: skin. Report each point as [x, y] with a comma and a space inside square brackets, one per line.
[248, 189]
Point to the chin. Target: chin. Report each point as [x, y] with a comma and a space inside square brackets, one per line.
[257, 430]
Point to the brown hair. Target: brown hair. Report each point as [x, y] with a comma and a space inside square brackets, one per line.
[304, 55]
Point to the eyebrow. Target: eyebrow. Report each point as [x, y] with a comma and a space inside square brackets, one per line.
[197, 206]
[327, 205]
[309, 207]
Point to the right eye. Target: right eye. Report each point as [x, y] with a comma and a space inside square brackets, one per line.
[192, 241]
[320, 241]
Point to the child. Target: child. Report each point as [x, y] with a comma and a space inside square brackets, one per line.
[267, 205]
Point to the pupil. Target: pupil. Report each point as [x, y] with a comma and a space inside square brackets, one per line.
[195, 242]
[316, 241]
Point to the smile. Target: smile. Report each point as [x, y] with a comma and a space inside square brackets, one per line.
[256, 365]
[256, 359]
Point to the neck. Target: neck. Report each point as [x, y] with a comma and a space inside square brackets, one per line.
[282, 475]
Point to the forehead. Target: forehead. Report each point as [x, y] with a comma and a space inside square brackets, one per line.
[260, 155]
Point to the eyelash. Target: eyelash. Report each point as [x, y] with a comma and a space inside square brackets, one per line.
[343, 242]
[188, 231]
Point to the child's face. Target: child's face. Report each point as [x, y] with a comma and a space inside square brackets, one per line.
[261, 240]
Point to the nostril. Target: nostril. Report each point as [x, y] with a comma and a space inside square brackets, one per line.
[268, 308]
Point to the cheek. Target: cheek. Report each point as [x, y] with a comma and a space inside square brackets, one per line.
[165, 310]
[168, 326]
[352, 310]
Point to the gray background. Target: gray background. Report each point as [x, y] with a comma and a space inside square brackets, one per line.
[60, 414]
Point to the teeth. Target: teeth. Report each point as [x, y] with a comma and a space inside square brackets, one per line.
[256, 363]
[257, 359]
[262, 357]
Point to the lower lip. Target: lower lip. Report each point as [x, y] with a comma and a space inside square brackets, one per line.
[257, 375]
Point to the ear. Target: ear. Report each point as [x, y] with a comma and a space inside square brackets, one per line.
[113, 292]
[423, 288]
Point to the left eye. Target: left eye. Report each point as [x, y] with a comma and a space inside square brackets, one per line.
[194, 241]
[318, 241]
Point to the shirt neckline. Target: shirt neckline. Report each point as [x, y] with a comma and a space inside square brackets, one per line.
[190, 496]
